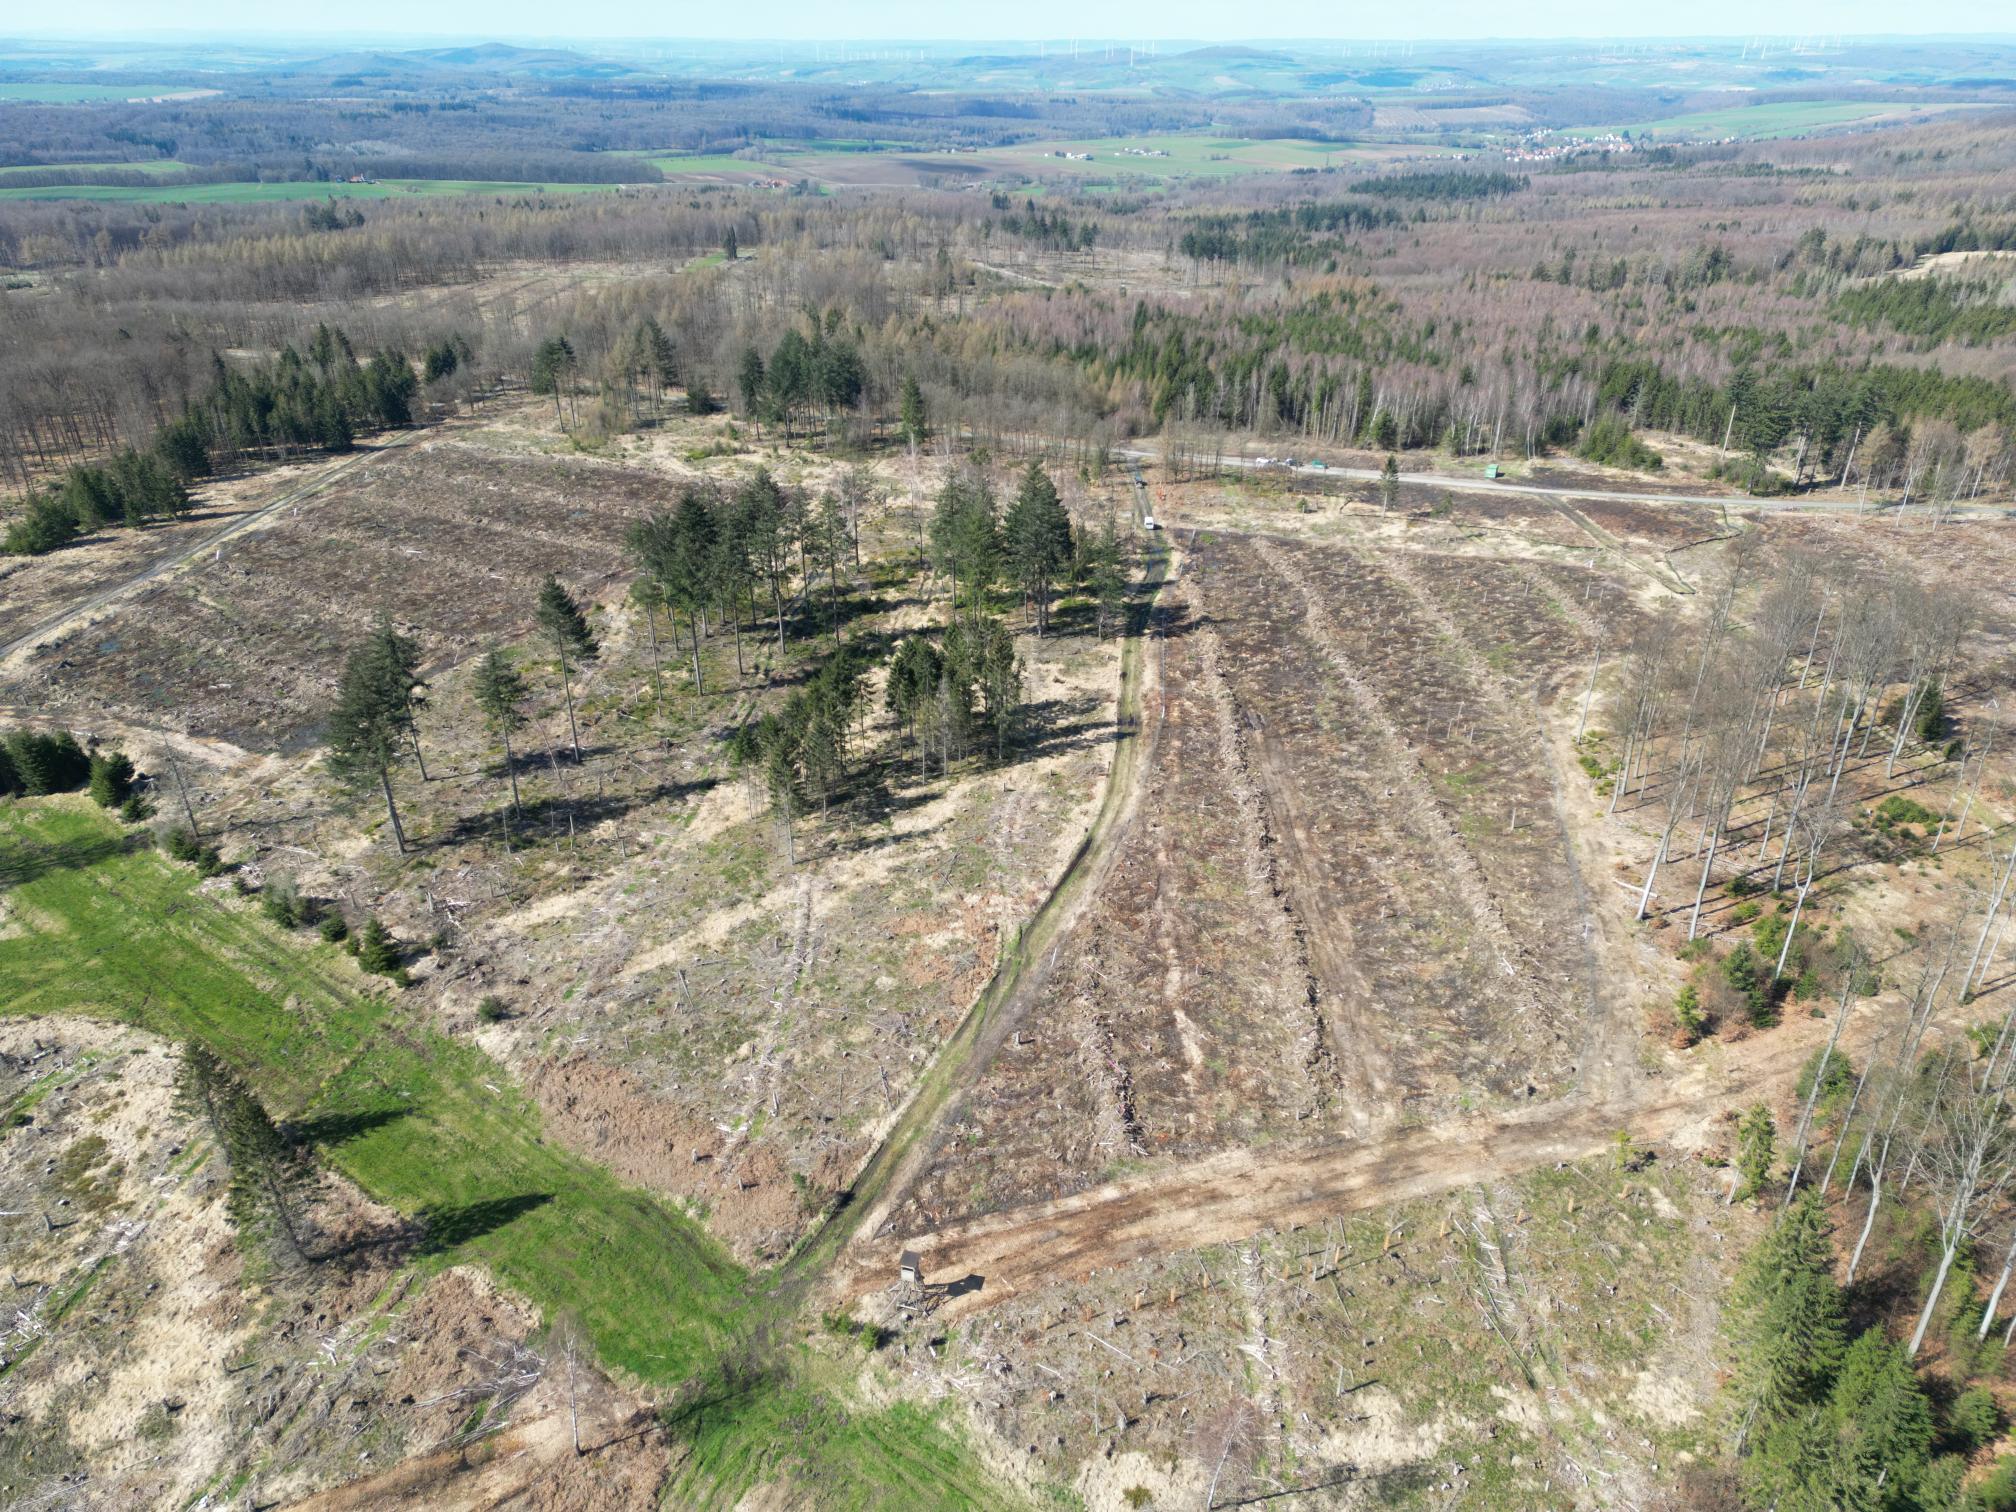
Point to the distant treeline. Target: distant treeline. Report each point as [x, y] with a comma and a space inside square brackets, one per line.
[504, 168]
[1053, 230]
[1442, 186]
[118, 176]
[316, 402]
[1937, 309]
[1287, 235]
[532, 168]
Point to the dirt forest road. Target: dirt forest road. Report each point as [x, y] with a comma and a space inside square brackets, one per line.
[1462, 483]
[905, 1151]
[1230, 1197]
[293, 494]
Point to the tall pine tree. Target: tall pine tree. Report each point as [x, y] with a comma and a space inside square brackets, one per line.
[560, 617]
[269, 1178]
[499, 690]
[371, 728]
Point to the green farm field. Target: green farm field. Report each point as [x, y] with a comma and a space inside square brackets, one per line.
[1164, 156]
[717, 165]
[1133, 162]
[434, 1128]
[1759, 123]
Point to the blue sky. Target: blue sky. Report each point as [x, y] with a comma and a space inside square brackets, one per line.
[1125, 20]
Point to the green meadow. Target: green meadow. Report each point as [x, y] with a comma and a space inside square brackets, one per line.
[433, 1127]
[1757, 123]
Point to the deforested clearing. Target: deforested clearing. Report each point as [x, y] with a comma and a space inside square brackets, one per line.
[1106, 778]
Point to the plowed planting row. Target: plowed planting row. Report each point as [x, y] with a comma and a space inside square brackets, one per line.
[449, 540]
[1346, 902]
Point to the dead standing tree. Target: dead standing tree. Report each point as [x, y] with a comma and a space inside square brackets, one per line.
[1647, 682]
[1931, 626]
[1970, 1158]
[1679, 787]
[1897, 1114]
[1728, 760]
[1812, 829]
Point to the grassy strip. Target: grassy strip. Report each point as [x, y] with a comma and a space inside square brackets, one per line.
[436, 1129]
[744, 1431]
[424, 1123]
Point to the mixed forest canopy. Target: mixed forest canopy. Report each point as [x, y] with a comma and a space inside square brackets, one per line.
[1468, 310]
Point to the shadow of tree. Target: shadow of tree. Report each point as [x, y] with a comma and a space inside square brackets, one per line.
[446, 1227]
[21, 864]
[717, 1396]
[550, 814]
[326, 1129]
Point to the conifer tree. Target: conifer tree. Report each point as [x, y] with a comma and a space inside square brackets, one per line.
[690, 566]
[371, 727]
[499, 690]
[46, 522]
[750, 380]
[111, 778]
[1107, 577]
[966, 537]
[377, 951]
[913, 680]
[1755, 1138]
[1785, 1315]
[679, 554]
[1884, 1421]
[1036, 540]
[47, 762]
[553, 371]
[1000, 682]
[269, 1178]
[912, 425]
[567, 627]
[401, 656]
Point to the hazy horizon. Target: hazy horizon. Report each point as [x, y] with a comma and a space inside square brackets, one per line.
[893, 22]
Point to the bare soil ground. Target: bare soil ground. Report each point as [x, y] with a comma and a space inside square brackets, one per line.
[1143, 1272]
[1545, 1339]
[1333, 734]
[447, 539]
[36, 587]
[691, 1011]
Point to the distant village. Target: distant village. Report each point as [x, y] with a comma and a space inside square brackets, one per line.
[1546, 147]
